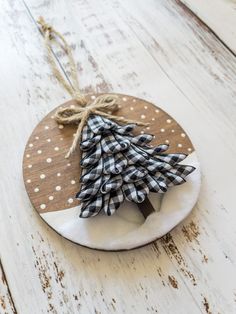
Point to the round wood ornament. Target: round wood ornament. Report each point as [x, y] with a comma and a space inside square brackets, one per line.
[52, 182]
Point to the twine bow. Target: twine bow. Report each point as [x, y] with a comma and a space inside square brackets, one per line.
[103, 105]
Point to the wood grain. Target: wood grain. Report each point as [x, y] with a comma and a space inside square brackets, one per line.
[219, 16]
[6, 301]
[154, 50]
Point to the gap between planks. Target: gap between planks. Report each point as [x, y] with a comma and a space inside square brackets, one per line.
[204, 24]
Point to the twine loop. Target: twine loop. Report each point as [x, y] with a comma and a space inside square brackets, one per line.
[44, 26]
[104, 105]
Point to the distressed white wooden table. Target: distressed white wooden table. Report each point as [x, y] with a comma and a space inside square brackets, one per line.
[179, 54]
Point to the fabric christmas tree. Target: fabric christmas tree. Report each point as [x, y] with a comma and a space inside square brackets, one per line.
[118, 166]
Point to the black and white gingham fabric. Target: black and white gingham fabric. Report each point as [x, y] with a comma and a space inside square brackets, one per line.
[92, 156]
[112, 201]
[112, 184]
[117, 165]
[134, 173]
[92, 173]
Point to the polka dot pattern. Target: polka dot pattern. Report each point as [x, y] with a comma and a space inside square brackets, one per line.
[51, 179]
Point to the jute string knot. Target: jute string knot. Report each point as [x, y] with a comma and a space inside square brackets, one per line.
[80, 98]
[103, 105]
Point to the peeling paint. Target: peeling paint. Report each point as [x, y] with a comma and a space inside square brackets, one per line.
[191, 232]
[172, 250]
[206, 306]
[173, 282]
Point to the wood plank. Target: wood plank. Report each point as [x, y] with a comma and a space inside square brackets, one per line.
[6, 302]
[219, 16]
[51, 274]
[158, 52]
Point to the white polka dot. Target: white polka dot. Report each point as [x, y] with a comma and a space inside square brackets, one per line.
[49, 160]
[36, 190]
[153, 119]
[134, 100]
[42, 176]
[124, 99]
[180, 145]
[167, 141]
[70, 200]
[60, 126]
[145, 107]
[46, 127]
[50, 198]
[36, 137]
[30, 166]
[42, 206]
[189, 149]
[72, 106]
[58, 174]
[68, 165]
[39, 151]
[72, 181]
[173, 131]
[162, 130]
[93, 97]
[56, 149]
[28, 155]
[58, 188]
[157, 110]
[31, 145]
[183, 134]
[168, 120]
[28, 181]
[131, 108]
[143, 116]
[48, 140]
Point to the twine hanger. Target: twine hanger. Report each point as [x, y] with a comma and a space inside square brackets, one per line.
[104, 105]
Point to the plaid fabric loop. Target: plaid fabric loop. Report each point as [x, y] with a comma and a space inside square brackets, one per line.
[142, 139]
[89, 143]
[92, 173]
[112, 184]
[126, 129]
[111, 145]
[112, 201]
[133, 174]
[92, 207]
[135, 192]
[92, 156]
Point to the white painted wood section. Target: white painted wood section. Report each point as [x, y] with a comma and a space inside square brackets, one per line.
[152, 49]
[6, 302]
[219, 15]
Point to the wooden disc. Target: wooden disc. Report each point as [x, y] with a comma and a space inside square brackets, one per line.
[52, 181]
